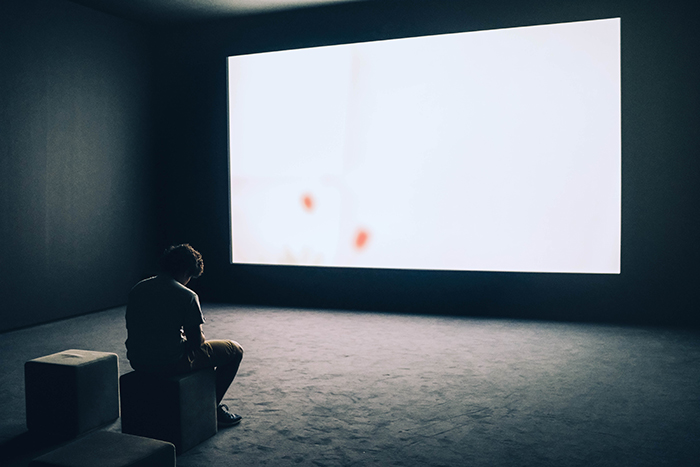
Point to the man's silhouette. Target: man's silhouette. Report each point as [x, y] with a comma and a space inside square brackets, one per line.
[164, 324]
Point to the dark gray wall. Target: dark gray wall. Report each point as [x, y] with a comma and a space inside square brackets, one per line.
[83, 171]
[661, 164]
[76, 213]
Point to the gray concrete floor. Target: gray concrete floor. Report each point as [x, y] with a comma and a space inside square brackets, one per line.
[328, 388]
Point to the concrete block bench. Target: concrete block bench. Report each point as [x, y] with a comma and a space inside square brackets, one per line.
[179, 409]
[110, 449]
[71, 392]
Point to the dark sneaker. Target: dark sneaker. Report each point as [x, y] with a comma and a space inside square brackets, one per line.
[225, 418]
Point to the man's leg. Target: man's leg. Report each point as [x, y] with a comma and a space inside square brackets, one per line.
[225, 357]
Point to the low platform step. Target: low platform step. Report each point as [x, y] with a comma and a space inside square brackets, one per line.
[110, 449]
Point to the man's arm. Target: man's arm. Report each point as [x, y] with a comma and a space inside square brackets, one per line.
[195, 336]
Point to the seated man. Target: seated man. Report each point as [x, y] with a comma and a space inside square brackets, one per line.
[164, 324]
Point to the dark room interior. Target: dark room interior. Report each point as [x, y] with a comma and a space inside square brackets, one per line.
[113, 143]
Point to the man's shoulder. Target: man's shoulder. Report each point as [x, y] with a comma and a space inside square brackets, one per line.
[182, 290]
[163, 285]
[145, 282]
[144, 285]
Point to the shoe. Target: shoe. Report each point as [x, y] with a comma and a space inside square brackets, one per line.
[225, 418]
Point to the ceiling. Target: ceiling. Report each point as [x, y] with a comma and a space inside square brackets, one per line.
[167, 11]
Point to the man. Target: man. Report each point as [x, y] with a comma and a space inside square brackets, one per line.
[164, 325]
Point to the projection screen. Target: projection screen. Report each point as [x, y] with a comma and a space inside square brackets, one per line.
[495, 150]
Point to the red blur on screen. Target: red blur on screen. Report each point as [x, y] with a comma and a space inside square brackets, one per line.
[308, 202]
[361, 239]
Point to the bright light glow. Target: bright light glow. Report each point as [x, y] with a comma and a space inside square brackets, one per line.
[494, 150]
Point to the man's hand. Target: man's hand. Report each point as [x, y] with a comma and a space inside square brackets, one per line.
[195, 337]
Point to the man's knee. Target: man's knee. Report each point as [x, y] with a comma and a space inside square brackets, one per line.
[238, 350]
[223, 352]
[235, 350]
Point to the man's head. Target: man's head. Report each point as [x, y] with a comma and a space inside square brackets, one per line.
[182, 261]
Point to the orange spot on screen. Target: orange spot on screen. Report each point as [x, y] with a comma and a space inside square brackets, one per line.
[361, 239]
[307, 202]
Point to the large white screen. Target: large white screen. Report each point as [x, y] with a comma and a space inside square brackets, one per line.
[494, 151]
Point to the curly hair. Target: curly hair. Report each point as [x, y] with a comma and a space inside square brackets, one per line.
[182, 259]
